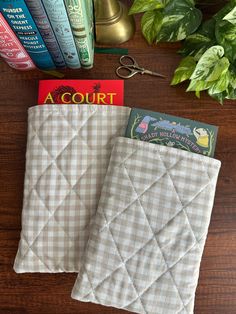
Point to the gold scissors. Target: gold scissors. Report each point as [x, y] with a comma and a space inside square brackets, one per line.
[129, 67]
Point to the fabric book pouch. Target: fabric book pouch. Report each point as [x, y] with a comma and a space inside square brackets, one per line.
[148, 236]
[68, 151]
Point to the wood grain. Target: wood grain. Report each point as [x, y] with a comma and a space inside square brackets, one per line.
[50, 293]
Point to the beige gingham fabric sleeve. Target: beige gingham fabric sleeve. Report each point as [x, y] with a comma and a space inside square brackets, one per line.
[148, 236]
[68, 151]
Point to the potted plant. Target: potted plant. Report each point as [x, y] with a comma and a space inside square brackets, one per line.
[210, 56]
[209, 48]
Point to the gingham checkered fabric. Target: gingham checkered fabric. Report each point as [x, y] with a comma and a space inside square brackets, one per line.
[68, 152]
[148, 236]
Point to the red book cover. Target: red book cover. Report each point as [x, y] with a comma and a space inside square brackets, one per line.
[100, 92]
[11, 49]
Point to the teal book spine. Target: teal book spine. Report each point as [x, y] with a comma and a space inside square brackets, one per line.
[80, 14]
[41, 20]
[21, 22]
[57, 15]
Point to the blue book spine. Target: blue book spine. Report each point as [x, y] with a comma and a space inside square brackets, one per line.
[41, 20]
[19, 18]
[57, 15]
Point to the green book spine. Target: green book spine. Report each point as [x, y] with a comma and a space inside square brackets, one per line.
[80, 13]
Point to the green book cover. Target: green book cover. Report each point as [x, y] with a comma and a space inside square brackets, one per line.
[80, 13]
[172, 131]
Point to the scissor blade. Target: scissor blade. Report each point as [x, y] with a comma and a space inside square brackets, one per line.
[154, 73]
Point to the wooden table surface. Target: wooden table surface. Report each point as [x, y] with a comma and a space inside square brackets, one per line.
[50, 293]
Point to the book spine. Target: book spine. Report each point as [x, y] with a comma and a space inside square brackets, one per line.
[89, 26]
[57, 15]
[11, 49]
[20, 20]
[41, 20]
[80, 14]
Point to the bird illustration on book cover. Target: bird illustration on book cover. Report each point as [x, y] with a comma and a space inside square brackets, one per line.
[163, 129]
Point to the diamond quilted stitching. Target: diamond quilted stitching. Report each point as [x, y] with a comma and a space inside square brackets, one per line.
[52, 188]
[83, 116]
[136, 306]
[88, 188]
[107, 256]
[175, 239]
[55, 134]
[210, 171]
[119, 155]
[34, 221]
[162, 297]
[74, 222]
[53, 130]
[29, 255]
[87, 286]
[112, 289]
[188, 307]
[144, 211]
[187, 268]
[40, 116]
[122, 229]
[148, 257]
[168, 158]
[31, 133]
[34, 168]
[74, 161]
[168, 204]
[152, 170]
[80, 217]
[166, 226]
[197, 213]
[190, 181]
[52, 243]
[98, 128]
[116, 203]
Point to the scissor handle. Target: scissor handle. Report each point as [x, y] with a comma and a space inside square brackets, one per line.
[124, 68]
[124, 60]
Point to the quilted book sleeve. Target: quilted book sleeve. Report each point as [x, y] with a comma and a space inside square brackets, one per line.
[148, 236]
[68, 151]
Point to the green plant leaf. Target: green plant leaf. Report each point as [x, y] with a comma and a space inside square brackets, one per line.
[220, 68]
[196, 44]
[193, 2]
[224, 11]
[184, 70]
[231, 16]
[180, 18]
[151, 23]
[219, 85]
[226, 37]
[208, 29]
[232, 78]
[197, 86]
[146, 5]
[231, 94]
[222, 89]
[219, 97]
[207, 63]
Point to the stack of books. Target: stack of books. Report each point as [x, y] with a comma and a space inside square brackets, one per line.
[47, 34]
